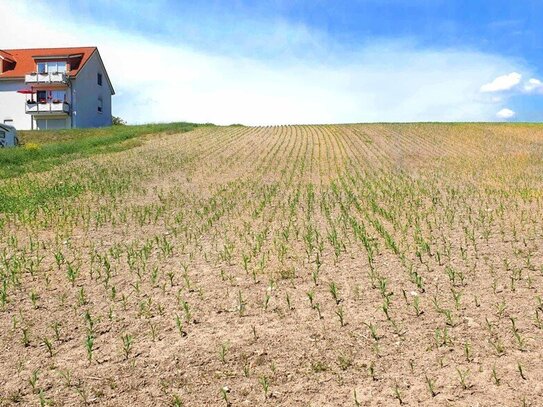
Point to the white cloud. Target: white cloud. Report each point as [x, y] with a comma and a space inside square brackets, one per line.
[505, 114]
[389, 81]
[533, 86]
[502, 83]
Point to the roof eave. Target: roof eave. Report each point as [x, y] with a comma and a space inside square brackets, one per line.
[68, 56]
[6, 58]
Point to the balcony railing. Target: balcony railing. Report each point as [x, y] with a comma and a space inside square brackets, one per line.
[48, 77]
[48, 108]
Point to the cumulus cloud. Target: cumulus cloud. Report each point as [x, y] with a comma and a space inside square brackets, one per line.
[158, 81]
[533, 86]
[502, 83]
[505, 114]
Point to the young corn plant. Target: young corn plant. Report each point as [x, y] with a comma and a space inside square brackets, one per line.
[371, 370]
[89, 346]
[26, 337]
[373, 331]
[179, 325]
[416, 306]
[448, 317]
[43, 400]
[187, 311]
[341, 316]
[72, 273]
[345, 361]
[355, 399]
[127, 340]
[467, 352]
[498, 346]
[520, 340]
[431, 384]
[241, 304]
[494, 376]
[56, 329]
[463, 375]
[538, 321]
[48, 345]
[265, 383]
[334, 291]
[521, 371]
[267, 298]
[224, 395]
[385, 308]
[311, 298]
[177, 401]
[34, 297]
[223, 350]
[33, 380]
[397, 393]
[4, 293]
[290, 307]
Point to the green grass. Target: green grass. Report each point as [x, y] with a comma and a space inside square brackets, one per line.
[41, 151]
[32, 196]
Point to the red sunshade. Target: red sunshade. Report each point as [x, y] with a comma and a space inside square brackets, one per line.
[26, 91]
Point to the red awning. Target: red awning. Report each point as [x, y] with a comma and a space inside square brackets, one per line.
[26, 91]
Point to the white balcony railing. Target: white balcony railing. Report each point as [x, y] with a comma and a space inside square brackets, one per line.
[49, 77]
[48, 108]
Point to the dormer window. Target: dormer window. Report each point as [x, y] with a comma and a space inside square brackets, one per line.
[6, 63]
[51, 67]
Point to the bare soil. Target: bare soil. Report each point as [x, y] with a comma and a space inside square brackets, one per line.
[346, 265]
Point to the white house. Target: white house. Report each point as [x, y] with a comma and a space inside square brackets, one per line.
[54, 88]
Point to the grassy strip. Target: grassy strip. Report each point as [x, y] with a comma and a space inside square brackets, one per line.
[43, 150]
[35, 196]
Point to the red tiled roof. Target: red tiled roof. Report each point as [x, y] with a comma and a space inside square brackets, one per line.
[25, 59]
[6, 56]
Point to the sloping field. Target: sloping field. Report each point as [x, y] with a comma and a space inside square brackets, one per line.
[294, 266]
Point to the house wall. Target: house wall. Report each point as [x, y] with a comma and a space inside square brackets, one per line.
[86, 93]
[12, 105]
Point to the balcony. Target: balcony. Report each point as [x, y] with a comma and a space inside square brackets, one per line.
[47, 78]
[47, 108]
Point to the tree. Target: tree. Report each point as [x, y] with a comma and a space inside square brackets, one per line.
[117, 121]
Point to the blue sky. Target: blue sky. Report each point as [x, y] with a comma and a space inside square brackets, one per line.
[505, 27]
[271, 62]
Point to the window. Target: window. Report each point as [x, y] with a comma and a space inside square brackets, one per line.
[99, 79]
[58, 96]
[9, 122]
[49, 124]
[61, 67]
[100, 105]
[52, 67]
[55, 96]
[41, 96]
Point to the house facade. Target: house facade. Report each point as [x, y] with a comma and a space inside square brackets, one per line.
[54, 88]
